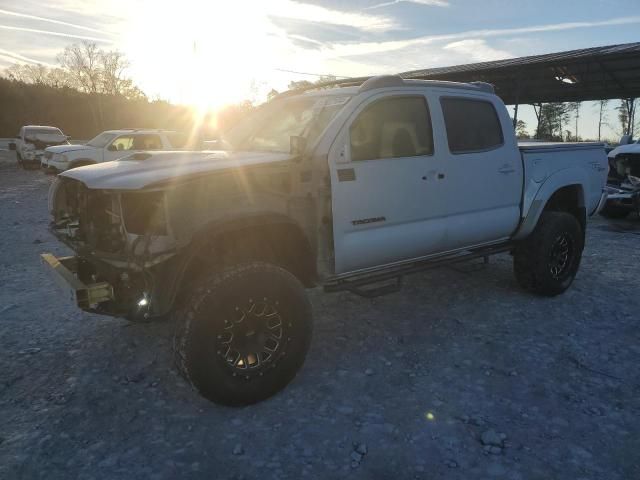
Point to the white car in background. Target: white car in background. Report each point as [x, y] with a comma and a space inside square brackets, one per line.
[111, 145]
[32, 140]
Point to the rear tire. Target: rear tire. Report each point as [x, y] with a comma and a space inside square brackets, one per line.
[547, 262]
[243, 333]
[613, 212]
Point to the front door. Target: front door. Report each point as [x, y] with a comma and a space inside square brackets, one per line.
[387, 182]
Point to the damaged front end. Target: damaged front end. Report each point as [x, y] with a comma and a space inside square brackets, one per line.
[623, 186]
[122, 242]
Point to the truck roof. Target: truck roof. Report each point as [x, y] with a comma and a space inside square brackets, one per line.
[43, 127]
[355, 86]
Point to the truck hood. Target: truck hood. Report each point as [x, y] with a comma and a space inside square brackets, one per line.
[630, 148]
[143, 170]
[68, 148]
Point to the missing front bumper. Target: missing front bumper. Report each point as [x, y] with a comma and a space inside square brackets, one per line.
[65, 272]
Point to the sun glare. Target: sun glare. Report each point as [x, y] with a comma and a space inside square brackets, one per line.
[205, 53]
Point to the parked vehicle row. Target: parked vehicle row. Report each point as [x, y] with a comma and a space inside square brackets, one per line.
[111, 145]
[47, 147]
[349, 189]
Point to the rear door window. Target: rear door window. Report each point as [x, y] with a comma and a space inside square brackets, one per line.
[472, 125]
[147, 142]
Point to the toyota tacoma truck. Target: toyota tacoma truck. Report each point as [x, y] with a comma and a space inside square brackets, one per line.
[110, 145]
[349, 188]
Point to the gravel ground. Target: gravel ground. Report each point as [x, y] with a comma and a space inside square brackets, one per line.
[461, 375]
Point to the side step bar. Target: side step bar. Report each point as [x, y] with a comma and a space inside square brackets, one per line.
[390, 278]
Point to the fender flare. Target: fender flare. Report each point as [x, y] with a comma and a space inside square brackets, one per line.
[209, 232]
[534, 203]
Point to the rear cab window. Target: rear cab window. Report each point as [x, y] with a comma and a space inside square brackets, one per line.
[147, 141]
[472, 125]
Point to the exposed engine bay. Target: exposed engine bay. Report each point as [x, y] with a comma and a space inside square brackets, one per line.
[119, 237]
[623, 183]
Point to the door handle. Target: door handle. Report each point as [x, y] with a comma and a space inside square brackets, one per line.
[433, 174]
[506, 169]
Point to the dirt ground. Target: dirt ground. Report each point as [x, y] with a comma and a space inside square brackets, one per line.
[461, 375]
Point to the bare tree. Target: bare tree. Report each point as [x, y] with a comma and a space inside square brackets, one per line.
[83, 62]
[627, 115]
[574, 108]
[113, 65]
[28, 73]
[602, 116]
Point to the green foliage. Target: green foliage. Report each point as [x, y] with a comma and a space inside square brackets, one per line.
[521, 130]
[552, 118]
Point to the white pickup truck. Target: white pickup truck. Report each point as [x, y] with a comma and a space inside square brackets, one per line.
[110, 145]
[31, 142]
[347, 188]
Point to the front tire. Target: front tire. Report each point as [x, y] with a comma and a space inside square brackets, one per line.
[547, 262]
[243, 333]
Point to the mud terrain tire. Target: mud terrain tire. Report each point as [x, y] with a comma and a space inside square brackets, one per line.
[547, 262]
[243, 333]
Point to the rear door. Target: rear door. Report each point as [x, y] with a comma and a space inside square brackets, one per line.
[484, 170]
[385, 180]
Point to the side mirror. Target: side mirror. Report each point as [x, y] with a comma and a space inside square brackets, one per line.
[68, 137]
[12, 146]
[297, 144]
[112, 148]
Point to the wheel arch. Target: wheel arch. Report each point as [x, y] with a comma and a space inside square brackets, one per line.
[265, 236]
[564, 191]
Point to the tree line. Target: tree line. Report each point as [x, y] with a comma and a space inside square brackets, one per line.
[89, 92]
[559, 121]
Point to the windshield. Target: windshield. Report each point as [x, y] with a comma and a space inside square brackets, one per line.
[101, 140]
[41, 131]
[271, 127]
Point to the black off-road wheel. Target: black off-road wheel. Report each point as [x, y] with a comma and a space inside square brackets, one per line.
[547, 262]
[614, 213]
[243, 333]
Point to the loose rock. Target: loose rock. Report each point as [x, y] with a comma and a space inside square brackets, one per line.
[238, 449]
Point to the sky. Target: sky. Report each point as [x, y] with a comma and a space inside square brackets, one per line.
[209, 53]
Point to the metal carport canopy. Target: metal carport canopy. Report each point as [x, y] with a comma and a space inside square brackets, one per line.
[597, 73]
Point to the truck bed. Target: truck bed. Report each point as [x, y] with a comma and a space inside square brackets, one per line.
[548, 146]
